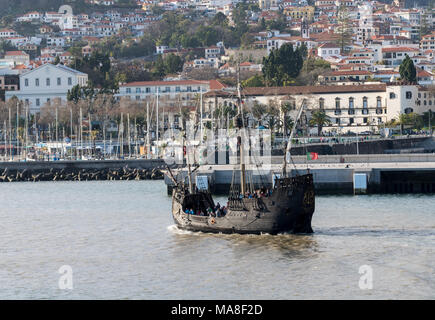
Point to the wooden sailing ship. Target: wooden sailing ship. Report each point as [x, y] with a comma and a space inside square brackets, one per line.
[286, 207]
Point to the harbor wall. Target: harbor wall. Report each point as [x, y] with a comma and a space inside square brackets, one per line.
[84, 164]
[81, 170]
[409, 145]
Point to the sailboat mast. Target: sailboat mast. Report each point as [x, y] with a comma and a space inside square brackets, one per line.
[148, 131]
[157, 123]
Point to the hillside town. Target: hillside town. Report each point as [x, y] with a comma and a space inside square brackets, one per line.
[358, 66]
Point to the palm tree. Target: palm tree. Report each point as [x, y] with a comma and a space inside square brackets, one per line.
[287, 121]
[402, 120]
[319, 119]
[259, 110]
[273, 117]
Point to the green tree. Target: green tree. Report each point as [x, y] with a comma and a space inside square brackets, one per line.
[254, 81]
[220, 20]
[173, 63]
[258, 111]
[344, 29]
[282, 65]
[407, 70]
[319, 119]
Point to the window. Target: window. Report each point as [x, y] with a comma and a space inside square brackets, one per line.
[392, 95]
[365, 103]
[48, 100]
[337, 103]
[128, 90]
[168, 89]
[38, 102]
[350, 103]
[189, 89]
[26, 82]
[378, 102]
[59, 81]
[147, 90]
[37, 82]
[321, 103]
[351, 120]
[137, 90]
[365, 120]
[177, 89]
[408, 95]
[47, 82]
[137, 98]
[69, 81]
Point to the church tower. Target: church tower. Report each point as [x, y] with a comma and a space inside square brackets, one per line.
[305, 29]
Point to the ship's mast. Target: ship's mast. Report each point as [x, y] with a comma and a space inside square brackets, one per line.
[240, 124]
[289, 142]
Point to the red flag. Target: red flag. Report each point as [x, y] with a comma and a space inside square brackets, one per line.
[312, 155]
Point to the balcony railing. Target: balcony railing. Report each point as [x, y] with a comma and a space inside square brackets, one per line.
[337, 112]
[365, 111]
[351, 111]
[378, 111]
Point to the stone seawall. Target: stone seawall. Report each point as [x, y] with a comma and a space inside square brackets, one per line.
[81, 170]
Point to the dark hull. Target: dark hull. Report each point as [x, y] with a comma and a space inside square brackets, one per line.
[289, 209]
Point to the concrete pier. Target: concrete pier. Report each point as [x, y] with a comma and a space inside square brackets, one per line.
[399, 173]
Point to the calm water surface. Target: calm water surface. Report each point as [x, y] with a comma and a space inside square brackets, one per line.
[120, 241]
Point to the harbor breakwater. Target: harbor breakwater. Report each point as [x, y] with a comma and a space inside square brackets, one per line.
[142, 169]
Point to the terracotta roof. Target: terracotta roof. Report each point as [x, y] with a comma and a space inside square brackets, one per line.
[214, 84]
[349, 73]
[400, 49]
[15, 53]
[254, 91]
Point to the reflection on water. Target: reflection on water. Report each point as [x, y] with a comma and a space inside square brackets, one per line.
[119, 239]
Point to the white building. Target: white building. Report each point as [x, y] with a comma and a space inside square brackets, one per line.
[184, 90]
[56, 42]
[30, 16]
[46, 83]
[7, 33]
[355, 108]
[327, 50]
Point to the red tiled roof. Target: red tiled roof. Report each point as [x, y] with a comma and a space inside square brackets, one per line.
[253, 91]
[15, 53]
[400, 49]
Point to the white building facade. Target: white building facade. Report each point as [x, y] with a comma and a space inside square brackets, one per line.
[46, 83]
[354, 108]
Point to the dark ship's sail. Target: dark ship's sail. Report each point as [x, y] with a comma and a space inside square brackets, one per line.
[287, 207]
